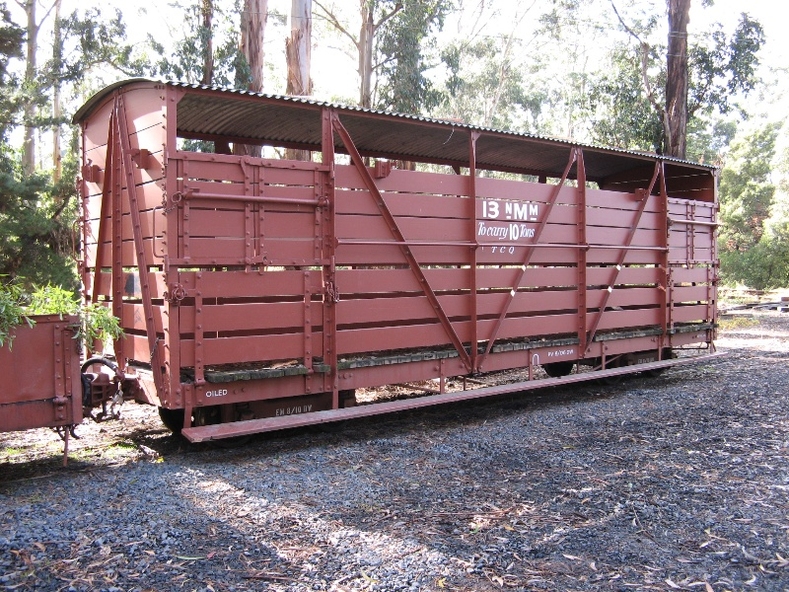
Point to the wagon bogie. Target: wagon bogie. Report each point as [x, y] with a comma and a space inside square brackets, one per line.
[257, 289]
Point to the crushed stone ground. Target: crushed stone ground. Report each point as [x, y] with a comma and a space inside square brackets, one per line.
[678, 482]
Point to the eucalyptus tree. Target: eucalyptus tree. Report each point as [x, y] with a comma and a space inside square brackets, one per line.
[299, 48]
[250, 59]
[487, 86]
[31, 221]
[207, 47]
[33, 26]
[391, 48]
[298, 53]
[406, 49]
[675, 113]
[206, 10]
[373, 15]
[677, 81]
[525, 66]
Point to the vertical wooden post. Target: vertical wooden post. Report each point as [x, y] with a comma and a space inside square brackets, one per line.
[116, 227]
[583, 248]
[474, 254]
[330, 296]
[666, 284]
[126, 167]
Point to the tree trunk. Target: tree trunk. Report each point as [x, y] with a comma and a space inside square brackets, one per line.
[298, 49]
[29, 140]
[57, 113]
[677, 77]
[253, 30]
[207, 12]
[366, 35]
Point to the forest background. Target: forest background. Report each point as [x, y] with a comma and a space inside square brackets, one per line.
[594, 71]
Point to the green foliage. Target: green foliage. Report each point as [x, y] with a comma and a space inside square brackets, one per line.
[96, 322]
[37, 218]
[746, 193]
[709, 138]
[12, 312]
[402, 46]
[724, 67]
[91, 39]
[621, 113]
[37, 225]
[11, 39]
[188, 61]
[626, 99]
[754, 238]
[486, 87]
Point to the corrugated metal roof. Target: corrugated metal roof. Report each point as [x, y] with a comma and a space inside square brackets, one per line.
[278, 120]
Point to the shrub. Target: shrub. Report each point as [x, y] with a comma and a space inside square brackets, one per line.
[96, 322]
[12, 311]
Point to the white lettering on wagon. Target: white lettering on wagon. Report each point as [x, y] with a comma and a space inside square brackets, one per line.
[513, 232]
[216, 393]
[494, 225]
[513, 210]
[561, 352]
[283, 411]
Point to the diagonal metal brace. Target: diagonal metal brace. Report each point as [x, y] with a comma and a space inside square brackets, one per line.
[391, 222]
[644, 197]
[529, 254]
[122, 139]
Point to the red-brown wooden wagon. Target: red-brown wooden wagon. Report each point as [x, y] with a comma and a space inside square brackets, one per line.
[48, 384]
[40, 367]
[257, 293]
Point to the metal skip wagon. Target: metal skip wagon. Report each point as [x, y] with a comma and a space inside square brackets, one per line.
[259, 292]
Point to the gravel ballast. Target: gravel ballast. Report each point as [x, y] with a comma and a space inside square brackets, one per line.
[676, 482]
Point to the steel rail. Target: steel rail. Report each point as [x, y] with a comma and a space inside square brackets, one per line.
[429, 243]
[694, 222]
[191, 194]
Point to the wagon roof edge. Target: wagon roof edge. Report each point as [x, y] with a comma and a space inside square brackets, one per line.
[87, 108]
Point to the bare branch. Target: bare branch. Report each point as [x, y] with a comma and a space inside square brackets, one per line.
[504, 70]
[645, 48]
[331, 18]
[398, 7]
[625, 25]
[49, 11]
[645, 76]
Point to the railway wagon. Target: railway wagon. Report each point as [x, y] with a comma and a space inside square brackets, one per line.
[268, 256]
[41, 376]
[48, 384]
